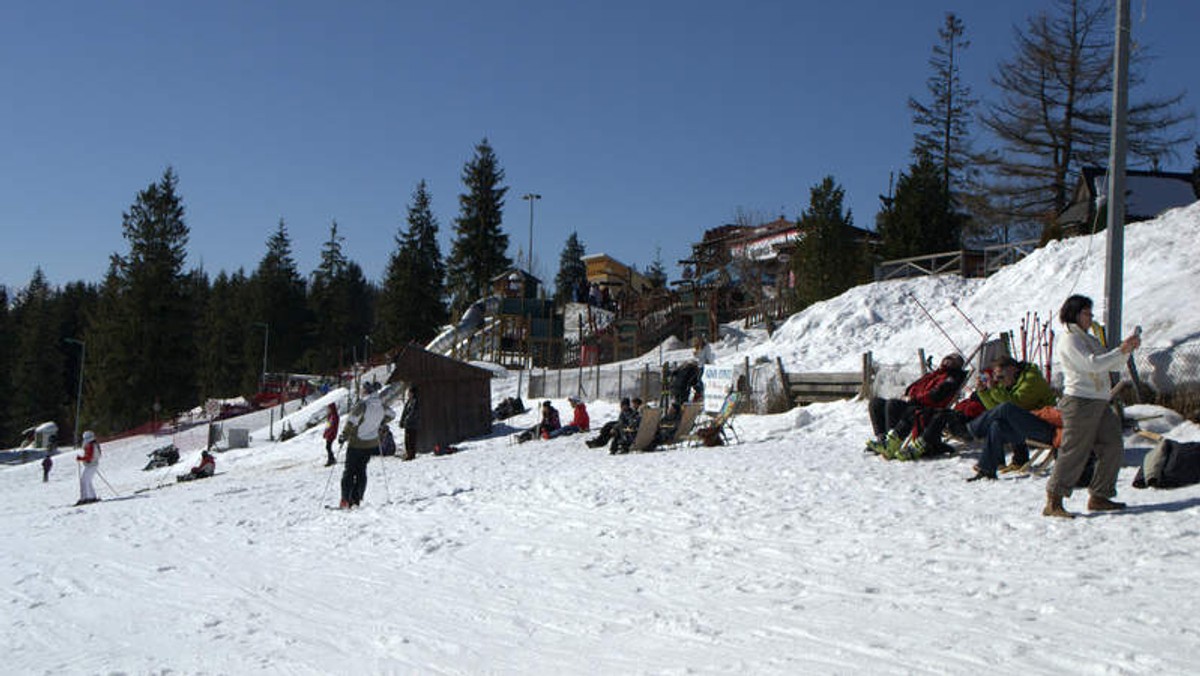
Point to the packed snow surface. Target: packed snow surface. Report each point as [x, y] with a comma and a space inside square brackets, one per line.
[790, 552]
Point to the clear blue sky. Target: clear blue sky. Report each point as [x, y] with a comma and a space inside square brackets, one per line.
[642, 123]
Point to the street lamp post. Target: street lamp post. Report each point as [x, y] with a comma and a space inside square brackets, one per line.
[530, 197]
[266, 339]
[79, 390]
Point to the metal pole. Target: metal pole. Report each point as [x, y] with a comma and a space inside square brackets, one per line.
[79, 390]
[530, 197]
[1114, 270]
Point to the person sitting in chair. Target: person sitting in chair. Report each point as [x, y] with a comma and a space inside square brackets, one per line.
[627, 426]
[924, 403]
[668, 425]
[1010, 390]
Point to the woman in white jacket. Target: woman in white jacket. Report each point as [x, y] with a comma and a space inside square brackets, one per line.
[1089, 424]
[90, 461]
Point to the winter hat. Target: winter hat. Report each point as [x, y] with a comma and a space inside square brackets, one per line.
[574, 401]
[89, 436]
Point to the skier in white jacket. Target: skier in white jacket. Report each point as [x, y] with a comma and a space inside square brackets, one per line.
[361, 434]
[91, 462]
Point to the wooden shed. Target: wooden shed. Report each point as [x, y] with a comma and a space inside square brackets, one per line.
[455, 397]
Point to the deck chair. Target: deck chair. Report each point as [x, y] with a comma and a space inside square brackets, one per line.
[644, 438]
[723, 420]
[687, 420]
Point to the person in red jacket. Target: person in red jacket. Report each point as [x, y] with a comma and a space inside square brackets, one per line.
[206, 468]
[580, 422]
[893, 419]
[91, 463]
[331, 432]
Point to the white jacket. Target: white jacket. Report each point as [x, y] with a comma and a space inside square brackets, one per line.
[362, 425]
[1086, 364]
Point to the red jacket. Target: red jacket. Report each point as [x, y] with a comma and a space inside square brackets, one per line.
[91, 453]
[207, 466]
[331, 428]
[581, 419]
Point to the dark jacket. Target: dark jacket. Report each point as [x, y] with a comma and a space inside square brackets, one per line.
[410, 417]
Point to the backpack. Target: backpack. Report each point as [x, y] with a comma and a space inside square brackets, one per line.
[710, 435]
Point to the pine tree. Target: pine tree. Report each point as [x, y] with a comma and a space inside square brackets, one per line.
[477, 254]
[37, 373]
[412, 301]
[1054, 115]
[223, 364]
[341, 302]
[146, 315]
[110, 402]
[944, 122]
[918, 220]
[825, 262]
[572, 271]
[657, 272]
[1196, 171]
[278, 300]
[330, 311]
[7, 348]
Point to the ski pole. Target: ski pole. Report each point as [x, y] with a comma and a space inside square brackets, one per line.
[114, 491]
[935, 323]
[954, 304]
[329, 478]
[386, 489]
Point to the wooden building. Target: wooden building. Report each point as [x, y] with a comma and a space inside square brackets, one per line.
[455, 397]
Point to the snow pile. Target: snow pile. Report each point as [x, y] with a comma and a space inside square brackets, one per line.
[792, 552]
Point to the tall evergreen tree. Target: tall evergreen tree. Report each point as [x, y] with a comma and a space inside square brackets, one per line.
[918, 220]
[412, 302]
[825, 263]
[147, 314]
[1196, 170]
[278, 300]
[657, 272]
[943, 123]
[478, 252]
[77, 301]
[7, 349]
[109, 401]
[224, 363]
[341, 302]
[1054, 115]
[330, 309]
[38, 369]
[572, 271]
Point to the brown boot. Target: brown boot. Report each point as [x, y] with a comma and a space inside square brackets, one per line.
[1099, 504]
[1054, 507]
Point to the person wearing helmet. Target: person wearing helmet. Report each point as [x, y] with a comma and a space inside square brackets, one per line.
[91, 463]
[361, 435]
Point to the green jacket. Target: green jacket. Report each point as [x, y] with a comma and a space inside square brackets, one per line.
[1030, 391]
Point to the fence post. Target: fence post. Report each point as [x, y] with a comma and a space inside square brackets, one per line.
[620, 380]
[868, 376]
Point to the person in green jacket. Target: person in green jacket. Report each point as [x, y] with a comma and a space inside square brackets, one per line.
[1018, 382]
[1009, 393]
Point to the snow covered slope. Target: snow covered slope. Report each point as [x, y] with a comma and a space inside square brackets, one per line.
[791, 552]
